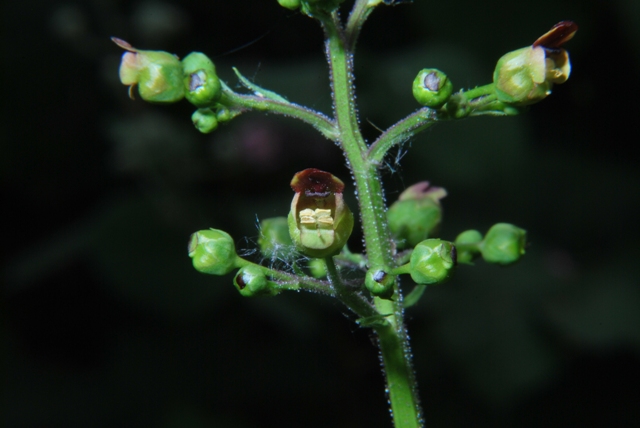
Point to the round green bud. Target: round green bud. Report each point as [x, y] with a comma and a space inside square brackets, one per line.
[318, 268]
[290, 4]
[433, 261]
[213, 251]
[251, 281]
[467, 244]
[379, 283]
[205, 120]
[416, 214]
[503, 244]
[432, 88]
[274, 239]
[157, 74]
[201, 84]
[320, 222]
[223, 114]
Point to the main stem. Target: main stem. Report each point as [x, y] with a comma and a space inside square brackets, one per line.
[392, 337]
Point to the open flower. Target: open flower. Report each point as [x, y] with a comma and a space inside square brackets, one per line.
[526, 76]
[157, 74]
[319, 221]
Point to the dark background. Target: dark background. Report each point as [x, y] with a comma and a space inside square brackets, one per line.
[107, 324]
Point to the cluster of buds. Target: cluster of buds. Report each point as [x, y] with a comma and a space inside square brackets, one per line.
[503, 244]
[162, 78]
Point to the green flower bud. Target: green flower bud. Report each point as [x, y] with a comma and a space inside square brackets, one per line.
[433, 261]
[223, 114]
[290, 4]
[251, 281]
[526, 76]
[416, 214]
[213, 251]
[503, 244]
[432, 88]
[201, 84]
[157, 74]
[205, 120]
[468, 245]
[320, 223]
[379, 283]
[274, 240]
[318, 268]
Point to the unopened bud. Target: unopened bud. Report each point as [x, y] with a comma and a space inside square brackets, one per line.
[213, 251]
[416, 214]
[504, 244]
[250, 281]
[201, 83]
[205, 120]
[526, 76]
[468, 245]
[379, 283]
[433, 261]
[157, 74]
[432, 88]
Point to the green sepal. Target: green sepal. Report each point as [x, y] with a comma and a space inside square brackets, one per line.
[250, 281]
[433, 261]
[432, 88]
[201, 83]
[213, 251]
[503, 244]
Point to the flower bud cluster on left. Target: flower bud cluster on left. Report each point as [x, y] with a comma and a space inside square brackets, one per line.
[162, 77]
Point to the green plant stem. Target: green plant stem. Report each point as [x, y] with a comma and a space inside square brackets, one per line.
[241, 103]
[297, 282]
[359, 14]
[401, 132]
[351, 298]
[393, 341]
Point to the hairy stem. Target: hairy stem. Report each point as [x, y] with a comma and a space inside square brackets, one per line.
[351, 297]
[322, 123]
[401, 132]
[393, 341]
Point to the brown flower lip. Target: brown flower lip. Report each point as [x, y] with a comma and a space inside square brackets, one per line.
[559, 34]
[315, 183]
